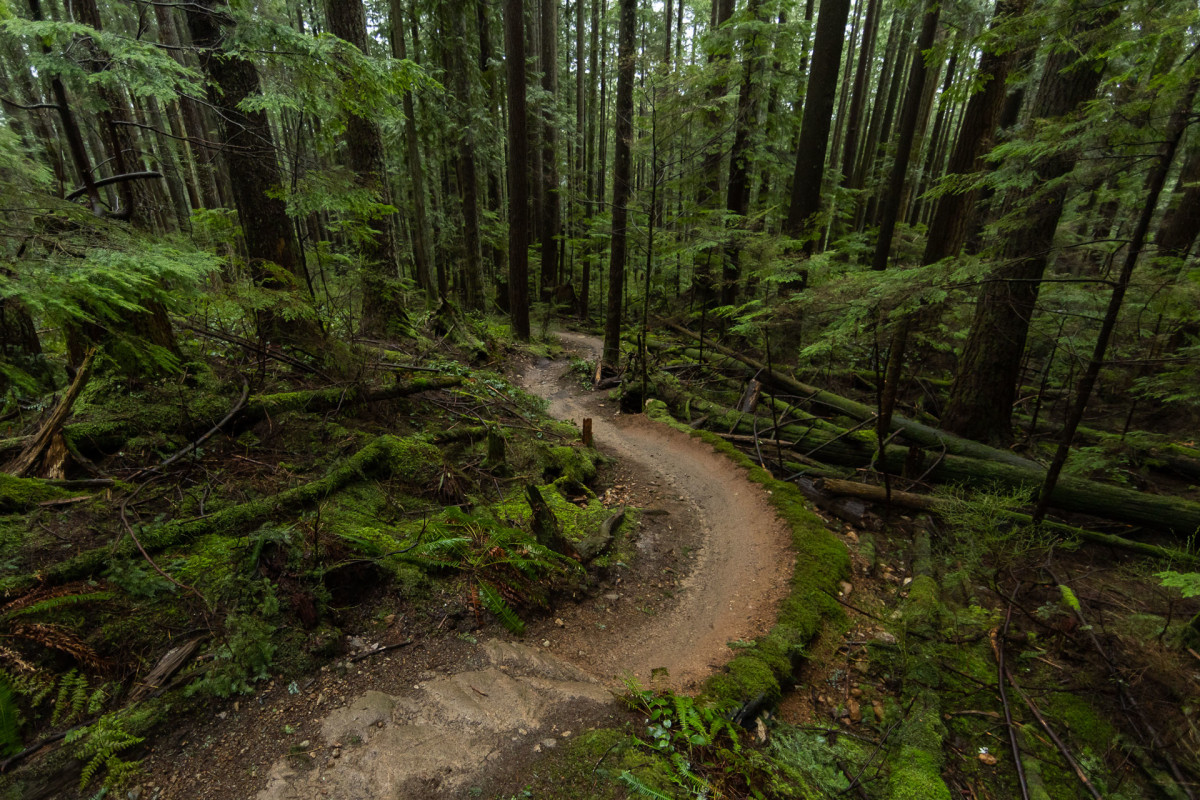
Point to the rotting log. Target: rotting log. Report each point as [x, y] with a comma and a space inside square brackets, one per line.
[918, 432]
[924, 502]
[386, 457]
[264, 406]
[857, 449]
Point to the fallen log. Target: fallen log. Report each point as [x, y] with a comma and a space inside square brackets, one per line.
[386, 457]
[857, 449]
[916, 431]
[924, 502]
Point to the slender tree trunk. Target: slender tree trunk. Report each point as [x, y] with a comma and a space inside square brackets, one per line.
[518, 175]
[422, 231]
[858, 102]
[364, 145]
[551, 218]
[708, 195]
[908, 125]
[621, 181]
[459, 67]
[738, 193]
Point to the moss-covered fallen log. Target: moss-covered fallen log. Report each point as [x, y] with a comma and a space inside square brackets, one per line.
[918, 432]
[857, 449]
[108, 435]
[924, 502]
[413, 460]
[317, 401]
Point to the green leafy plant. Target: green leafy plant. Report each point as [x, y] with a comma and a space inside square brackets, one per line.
[703, 754]
[99, 746]
[505, 568]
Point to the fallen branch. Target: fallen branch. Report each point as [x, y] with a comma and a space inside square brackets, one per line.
[385, 648]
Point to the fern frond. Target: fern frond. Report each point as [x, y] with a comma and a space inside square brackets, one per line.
[56, 638]
[494, 602]
[635, 783]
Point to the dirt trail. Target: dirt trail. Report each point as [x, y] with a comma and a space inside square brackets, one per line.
[448, 717]
[742, 563]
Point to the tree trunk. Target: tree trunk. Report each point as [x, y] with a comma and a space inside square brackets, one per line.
[1180, 225]
[1158, 178]
[859, 93]
[904, 140]
[254, 173]
[364, 145]
[455, 26]
[551, 218]
[738, 194]
[422, 231]
[981, 399]
[814, 131]
[708, 193]
[621, 181]
[518, 175]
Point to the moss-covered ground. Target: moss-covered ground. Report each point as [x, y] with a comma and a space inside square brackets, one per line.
[314, 513]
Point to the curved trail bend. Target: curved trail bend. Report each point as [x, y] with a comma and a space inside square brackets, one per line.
[507, 701]
[743, 560]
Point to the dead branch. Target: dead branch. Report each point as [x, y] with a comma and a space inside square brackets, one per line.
[52, 429]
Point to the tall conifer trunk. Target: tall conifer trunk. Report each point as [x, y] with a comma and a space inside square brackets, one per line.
[622, 172]
[814, 130]
[985, 384]
[518, 170]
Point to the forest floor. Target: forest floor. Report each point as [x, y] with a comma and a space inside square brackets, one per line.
[469, 713]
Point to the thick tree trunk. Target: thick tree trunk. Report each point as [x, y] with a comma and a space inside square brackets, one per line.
[1180, 225]
[518, 175]
[621, 181]
[952, 218]
[981, 399]
[814, 131]
[254, 173]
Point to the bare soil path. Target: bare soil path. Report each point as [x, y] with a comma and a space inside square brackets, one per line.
[455, 718]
